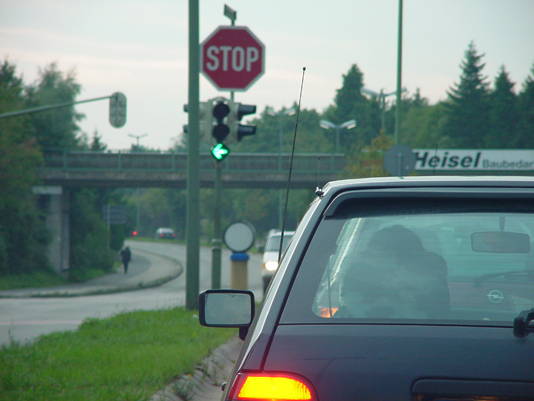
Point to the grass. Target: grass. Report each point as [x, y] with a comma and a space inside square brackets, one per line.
[124, 358]
[51, 279]
[31, 280]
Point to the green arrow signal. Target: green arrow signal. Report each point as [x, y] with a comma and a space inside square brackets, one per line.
[219, 152]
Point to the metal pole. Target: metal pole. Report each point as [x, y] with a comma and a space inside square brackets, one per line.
[216, 252]
[193, 220]
[337, 138]
[137, 217]
[281, 191]
[399, 76]
[50, 107]
[383, 106]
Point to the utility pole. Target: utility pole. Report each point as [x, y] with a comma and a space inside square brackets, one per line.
[216, 242]
[399, 76]
[193, 219]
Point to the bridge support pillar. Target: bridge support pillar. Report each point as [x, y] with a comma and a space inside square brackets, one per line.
[56, 202]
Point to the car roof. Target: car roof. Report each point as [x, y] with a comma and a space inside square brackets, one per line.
[429, 181]
[277, 233]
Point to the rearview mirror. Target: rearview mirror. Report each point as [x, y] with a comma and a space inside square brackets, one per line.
[226, 308]
[500, 242]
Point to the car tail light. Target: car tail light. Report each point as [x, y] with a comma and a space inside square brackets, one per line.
[264, 386]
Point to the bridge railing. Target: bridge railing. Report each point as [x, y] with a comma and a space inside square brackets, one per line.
[324, 163]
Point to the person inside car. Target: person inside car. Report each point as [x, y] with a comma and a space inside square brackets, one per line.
[395, 277]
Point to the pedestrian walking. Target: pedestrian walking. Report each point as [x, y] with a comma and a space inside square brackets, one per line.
[126, 256]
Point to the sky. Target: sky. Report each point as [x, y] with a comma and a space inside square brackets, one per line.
[140, 48]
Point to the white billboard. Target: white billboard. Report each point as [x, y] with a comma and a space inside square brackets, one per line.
[474, 160]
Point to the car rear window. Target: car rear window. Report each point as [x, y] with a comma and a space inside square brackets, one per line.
[412, 260]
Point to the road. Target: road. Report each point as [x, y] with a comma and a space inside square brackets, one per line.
[25, 319]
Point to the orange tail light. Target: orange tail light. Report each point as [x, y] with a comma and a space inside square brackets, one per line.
[255, 386]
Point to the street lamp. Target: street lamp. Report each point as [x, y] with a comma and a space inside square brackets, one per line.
[330, 125]
[382, 102]
[137, 215]
[137, 137]
[288, 112]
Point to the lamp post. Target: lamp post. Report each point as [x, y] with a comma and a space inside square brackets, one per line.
[289, 112]
[399, 75]
[382, 102]
[137, 137]
[137, 215]
[338, 127]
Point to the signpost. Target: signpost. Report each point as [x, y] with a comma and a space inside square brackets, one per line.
[399, 160]
[239, 237]
[232, 58]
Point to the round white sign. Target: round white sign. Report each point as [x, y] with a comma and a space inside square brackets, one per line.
[239, 237]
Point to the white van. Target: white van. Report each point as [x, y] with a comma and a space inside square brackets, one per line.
[270, 254]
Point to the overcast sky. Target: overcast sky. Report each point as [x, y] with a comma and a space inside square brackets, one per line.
[140, 48]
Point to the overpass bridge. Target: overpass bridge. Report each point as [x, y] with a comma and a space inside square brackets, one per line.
[239, 170]
[62, 171]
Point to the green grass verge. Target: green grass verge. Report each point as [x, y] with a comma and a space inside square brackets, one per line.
[31, 280]
[124, 358]
[51, 279]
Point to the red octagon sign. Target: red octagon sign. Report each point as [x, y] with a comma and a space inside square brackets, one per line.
[232, 58]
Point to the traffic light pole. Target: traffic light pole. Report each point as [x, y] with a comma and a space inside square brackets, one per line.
[193, 221]
[216, 250]
[50, 107]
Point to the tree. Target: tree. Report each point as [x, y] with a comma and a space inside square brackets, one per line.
[22, 232]
[467, 108]
[56, 128]
[526, 113]
[503, 114]
[350, 104]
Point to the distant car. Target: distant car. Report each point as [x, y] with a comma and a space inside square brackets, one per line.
[164, 232]
[271, 253]
[418, 289]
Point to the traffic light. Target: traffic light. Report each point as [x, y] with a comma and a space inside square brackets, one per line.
[117, 110]
[238, 110]
[220, 151]
[220, 112]
[204, 115]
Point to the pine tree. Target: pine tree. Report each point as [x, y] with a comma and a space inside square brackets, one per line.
[467, 109]
[503, 114]
[526, 113]
[350, 104]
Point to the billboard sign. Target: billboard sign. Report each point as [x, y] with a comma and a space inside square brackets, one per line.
[474, 160]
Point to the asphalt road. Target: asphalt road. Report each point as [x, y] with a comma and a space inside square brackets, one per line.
[24, 319]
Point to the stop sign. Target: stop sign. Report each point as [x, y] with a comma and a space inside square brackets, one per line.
[232, 58]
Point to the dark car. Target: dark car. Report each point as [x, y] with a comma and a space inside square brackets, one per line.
[417, 289]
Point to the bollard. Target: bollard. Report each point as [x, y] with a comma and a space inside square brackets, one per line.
[239, 275]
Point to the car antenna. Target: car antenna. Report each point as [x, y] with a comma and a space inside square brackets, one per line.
[291, 167]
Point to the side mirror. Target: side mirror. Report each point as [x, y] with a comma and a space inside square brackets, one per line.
[227, 308]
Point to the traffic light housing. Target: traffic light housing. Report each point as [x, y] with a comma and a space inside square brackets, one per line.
[238, 111]
[220, 112]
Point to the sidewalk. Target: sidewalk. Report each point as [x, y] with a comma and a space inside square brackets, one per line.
[146, 270]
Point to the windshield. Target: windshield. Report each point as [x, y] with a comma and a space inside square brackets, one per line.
[273, 243]
[431, 266]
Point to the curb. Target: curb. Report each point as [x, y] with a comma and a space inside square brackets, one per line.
[204, 384]
[102, 291]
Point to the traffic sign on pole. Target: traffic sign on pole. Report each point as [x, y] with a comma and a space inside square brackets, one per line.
[232, 58]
